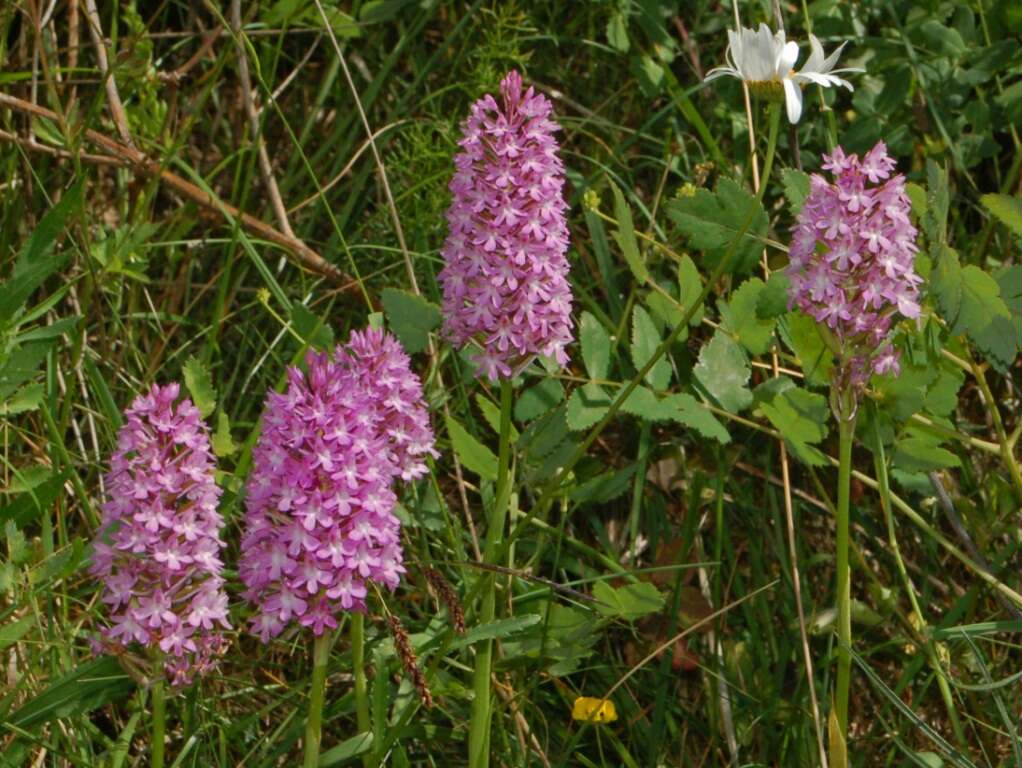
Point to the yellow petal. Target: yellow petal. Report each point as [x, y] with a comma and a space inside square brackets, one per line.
[593, 710]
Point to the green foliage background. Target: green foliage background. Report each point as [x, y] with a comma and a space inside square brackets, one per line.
[672, 520]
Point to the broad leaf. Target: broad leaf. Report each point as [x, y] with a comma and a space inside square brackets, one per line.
[199, 382]
[411, 318]
[723, 371]
[740, 317]
[475, 456]
[538, 399]
[630, 602]
[624, 236]
[596, 346]
[587, 406]
[645, 341]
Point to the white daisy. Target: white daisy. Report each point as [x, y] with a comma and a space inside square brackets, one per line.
[766, 60]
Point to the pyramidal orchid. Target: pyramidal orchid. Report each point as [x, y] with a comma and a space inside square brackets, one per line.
[505, 282]
[852, 259]
[157, 552]
[320, 523]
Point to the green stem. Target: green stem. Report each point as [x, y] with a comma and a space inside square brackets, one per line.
[314, 726]
[159, 723]
[361, 689]
[768, 161]
[479, 728]
[846, 432]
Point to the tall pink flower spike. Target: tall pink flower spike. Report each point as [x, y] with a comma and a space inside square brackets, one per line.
[505, 282]
[852, 258]
[157, 552]
[319, 522]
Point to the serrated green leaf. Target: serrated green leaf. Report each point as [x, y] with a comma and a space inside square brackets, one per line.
[199, 382]
[799, 415]
[689, 412]
[723, 371]
[223, 443]
[1007, 208]
[690, 287]
[712, 220]
[1010, 282]
[796, 188]
[938, 200]
[641, 402]
[645, 341]
[605, 487]
[411, 318]
[942, 394]
[475, 456]
[946, 281]
[596, 346]
[491, 413]
[922, 454]
[586, 406]
[986, 318]
[917, 197]
[904, 395]
[539, 399]
[624, 236]
[630, 602]
[740, 317]
[26, 399]
[773, 300]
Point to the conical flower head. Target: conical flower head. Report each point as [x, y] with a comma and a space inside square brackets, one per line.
[319, 522]
[505, 281]
[852, 258]
[157, 552]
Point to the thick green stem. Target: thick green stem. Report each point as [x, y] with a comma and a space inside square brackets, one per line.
[361, 689]
[314, 725]
[159, 723]
[479, 728]
[846, 431]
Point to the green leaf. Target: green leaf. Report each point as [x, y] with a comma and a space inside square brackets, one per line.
[942, 394]
[1010, 282]
[917, 196]
[773, 300]
[200, 385]
[815, 359]
[1007, 208]
[26, 399]
[740, 316]
[604, 487]
[690, 285]
[946, 281]
[35, 263]
[314, 330]
[86, 688]
[799, 415]
[27, 506]
[922, 454]
[596, 346]
[624, 236]
[491, 413]
[712, 220]
[629, 602]
[586, 406]
[359, 744]
[689, 412]
[796, 188]
[617, 33]
[539, 399]
[223, 443]
[475, 456]
[411, 318]
[21, 365]
[645, 341]
[13, 631]
[723, 371]
[498, 629]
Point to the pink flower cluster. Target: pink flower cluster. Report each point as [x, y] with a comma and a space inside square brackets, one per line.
[505, 282]
[319, 521]
[852, 258]
[157, 552]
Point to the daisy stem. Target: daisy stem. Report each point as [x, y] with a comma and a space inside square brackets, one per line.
[768, 160]
[314, 725]
[479, 729]
[358, 662]
[846, 433]
[159, 723]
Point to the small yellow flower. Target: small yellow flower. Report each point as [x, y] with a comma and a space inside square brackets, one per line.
[594, 710]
